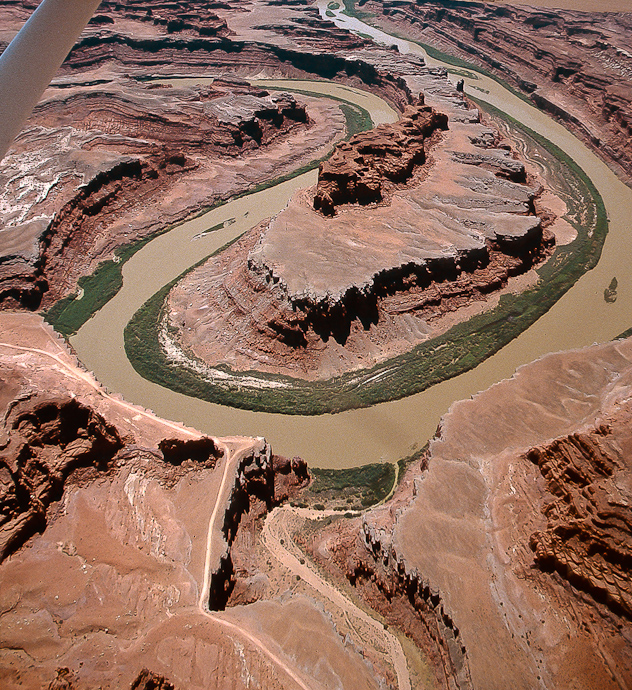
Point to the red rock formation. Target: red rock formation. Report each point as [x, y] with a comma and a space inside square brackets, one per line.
[588, 539]
[289, 475]
[574, 65]
[148, 680]
[262, 480]
[358, 169]
[145, 39]
[63, 681]
[42, 445]
[181, 16]
[123, 546]
[140, 152]
[157, 37]
[403, 598]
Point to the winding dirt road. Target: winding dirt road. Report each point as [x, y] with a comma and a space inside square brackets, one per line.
[72, 370]
[234, 449]
[276, 536]
[48, 349]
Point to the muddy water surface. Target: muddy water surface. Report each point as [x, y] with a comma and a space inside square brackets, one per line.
[389, 430]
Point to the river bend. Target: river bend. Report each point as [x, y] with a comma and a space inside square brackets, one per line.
[389, 430]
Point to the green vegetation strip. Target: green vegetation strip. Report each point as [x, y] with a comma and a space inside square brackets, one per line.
[464, 68]
[356, 488]
[358, 119]
[350, 489]
[460, 349]
[141, 337]
[69, 314]
[353, 11]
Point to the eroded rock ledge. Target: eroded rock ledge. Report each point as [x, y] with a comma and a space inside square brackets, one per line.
[358, 169]
[588, 537]
[181, 16]
[181, 160]
[107, 525]
[512, 533]
[46, 443]
[364, 555]
[315, 295]
[260, 481]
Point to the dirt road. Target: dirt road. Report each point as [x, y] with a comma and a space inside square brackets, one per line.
[278, 540]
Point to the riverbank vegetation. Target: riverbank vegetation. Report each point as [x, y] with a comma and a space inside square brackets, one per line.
[349, 489]
[69, 314]
[458, 350]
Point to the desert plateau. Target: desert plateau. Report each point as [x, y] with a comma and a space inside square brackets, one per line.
[316, 348]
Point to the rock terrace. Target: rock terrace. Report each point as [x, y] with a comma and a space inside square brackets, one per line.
[415, 220]
[577, 66]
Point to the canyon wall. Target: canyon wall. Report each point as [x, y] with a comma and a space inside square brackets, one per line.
[512, 534]
[408, 223]
[79, 188]
[576, 66]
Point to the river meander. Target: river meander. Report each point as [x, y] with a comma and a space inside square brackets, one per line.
[390, 430]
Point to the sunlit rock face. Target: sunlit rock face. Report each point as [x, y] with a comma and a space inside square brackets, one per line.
[503, 555]
[517, 514]
[408, 223]
[89, 159]
[574, 65]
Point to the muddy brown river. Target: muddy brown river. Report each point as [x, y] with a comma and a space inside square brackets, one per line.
[387, 431]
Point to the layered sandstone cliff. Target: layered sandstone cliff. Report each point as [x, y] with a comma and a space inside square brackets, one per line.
[509, 541]
[415, 221]
[89, 159]
[505, 554]
[574, 65]
[45, 443]
[359, 169]
[588, 535]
